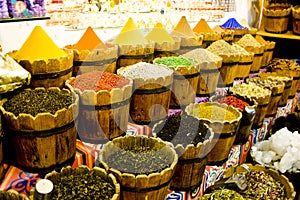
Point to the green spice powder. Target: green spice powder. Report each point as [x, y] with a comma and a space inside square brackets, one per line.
[38, 101]
[175, 62]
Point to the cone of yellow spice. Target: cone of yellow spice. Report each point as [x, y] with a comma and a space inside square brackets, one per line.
[91, 54]
[209, 35]
[165, 44]
[133, 46]
[49, 65]
[189, 40]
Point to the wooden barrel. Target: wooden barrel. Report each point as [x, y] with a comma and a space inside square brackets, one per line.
[257, 58]
[276, 96]
[296, 20]
[185, 81]
[100, 59]
[44, 142]
[151, 95]
[184, 89]
[276, 18]
[244, 66]
[228, 35]
[261, 111]
[295, 74]
[192, 159]
[209, 65]
[103, 115]
[224, 130]
[130, 54]
[208, 81]
[49, 73]
[134, 186]
[227, 73]
[248, 113]
[167, 49]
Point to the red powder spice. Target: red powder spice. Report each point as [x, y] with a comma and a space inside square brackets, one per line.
[99, 80]
[233, 101]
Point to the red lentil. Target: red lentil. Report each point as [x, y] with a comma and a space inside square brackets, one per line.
[99, 80]
[233, 101]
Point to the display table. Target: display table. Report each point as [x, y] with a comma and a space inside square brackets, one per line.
[86, 153]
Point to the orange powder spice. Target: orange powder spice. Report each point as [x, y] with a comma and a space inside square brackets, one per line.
[99, 80]
[88, 41]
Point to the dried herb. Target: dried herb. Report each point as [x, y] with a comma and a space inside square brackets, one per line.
[222, 194]
[261, 185]
[83, 186]
[140, 159]
[182, 129]
[38, 101]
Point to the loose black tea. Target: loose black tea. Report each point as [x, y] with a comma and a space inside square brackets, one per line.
[140, 159]
[182, 129]
[86, 186]
[38, 101]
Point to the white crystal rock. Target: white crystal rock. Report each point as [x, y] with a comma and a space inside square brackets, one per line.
[268, 156]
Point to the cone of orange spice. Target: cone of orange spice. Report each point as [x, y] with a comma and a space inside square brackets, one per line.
[92, 54]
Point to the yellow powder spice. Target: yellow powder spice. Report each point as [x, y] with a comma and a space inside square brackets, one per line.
[184, 28]
[88, 41]
[202, 27]
[217, 28]
[159, 34]
[39, 46]
[130, 35]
